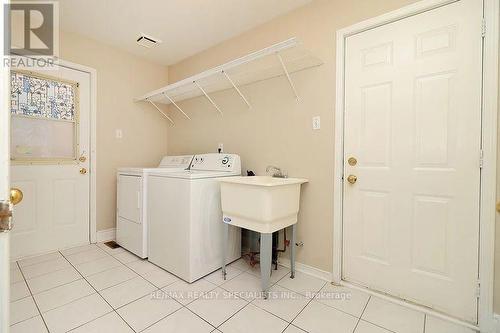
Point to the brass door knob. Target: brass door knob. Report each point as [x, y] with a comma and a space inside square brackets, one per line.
[352, 179]
[83, 171]
[498, 206]
[16, 196]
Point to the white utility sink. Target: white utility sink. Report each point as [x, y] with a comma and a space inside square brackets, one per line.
[259, 203]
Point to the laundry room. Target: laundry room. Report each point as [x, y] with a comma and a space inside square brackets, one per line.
[247, 166]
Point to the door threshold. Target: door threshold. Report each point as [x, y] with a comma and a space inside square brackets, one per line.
[410, 305]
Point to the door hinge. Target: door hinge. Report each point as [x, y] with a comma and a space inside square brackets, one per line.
[478, 289]
[483, 27]
[481, 159]
[5, 216]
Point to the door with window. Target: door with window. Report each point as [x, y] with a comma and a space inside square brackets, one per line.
[412, 150]
[5, 207]
[50, 144]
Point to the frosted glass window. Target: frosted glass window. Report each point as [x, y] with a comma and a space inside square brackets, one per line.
[42, 139]
[44, 118]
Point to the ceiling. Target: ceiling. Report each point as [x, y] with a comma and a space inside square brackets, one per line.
[185, 27]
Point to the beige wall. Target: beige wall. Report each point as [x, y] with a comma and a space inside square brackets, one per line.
[278, 130]
[120, 77]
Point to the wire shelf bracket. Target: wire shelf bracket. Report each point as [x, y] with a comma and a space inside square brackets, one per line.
[177, 106]
[162, 113]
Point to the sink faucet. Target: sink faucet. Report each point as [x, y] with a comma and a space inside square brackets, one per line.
[276, 172]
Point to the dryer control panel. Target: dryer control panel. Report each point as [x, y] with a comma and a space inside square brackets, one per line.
[216, 162]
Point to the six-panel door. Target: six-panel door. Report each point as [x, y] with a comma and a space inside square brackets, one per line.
[413, 123]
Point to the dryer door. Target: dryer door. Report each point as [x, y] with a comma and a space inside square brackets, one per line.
[129, 196]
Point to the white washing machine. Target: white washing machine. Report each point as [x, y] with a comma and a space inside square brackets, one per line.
[185, 217]
[131, 212]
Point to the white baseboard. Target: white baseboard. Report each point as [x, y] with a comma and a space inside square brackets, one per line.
[106, 235]
[323, 275]
[496, 319]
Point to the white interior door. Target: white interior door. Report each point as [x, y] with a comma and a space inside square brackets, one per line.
[4, 185]
[50, 144]
[413, 123]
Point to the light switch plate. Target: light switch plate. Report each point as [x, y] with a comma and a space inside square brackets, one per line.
[316, 123]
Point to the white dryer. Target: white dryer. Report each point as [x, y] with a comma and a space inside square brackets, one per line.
[131, 212]
[185, 217]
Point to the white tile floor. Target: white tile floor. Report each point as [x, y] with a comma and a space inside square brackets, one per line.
[94, 288]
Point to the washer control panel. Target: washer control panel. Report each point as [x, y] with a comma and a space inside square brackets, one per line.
[216, 162]
[176, 161]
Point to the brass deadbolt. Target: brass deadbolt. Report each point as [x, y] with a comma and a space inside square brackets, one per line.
[352, 161]
[16, 195]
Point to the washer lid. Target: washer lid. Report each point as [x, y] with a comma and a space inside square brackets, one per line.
[167, 164]
[195, 174]
[143, 171]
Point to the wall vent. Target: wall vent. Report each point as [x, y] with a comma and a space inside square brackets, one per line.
[147, 41]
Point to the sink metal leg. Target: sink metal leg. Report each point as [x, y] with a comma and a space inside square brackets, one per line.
[266, 249]
[292, 251]
[225, 235]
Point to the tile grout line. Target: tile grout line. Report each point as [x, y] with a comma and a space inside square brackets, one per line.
[62, 284]
[57, 270]
[215, 286]
[361, 315]
[113, 310]
[122, 306]
[234, 314]
[49, 260]
[37, 276]
[298, 314]
[216, 327]
[33, 298]
[36, 263]
[250, 302]
[343, 311]
[289, 322]
[181, 304]
[63, 256]
[156, 322]
[104, 315]
[377, 325]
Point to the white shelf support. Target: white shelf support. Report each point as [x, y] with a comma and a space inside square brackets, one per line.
[177, 106]
[208, 97]
[163, 113]
[287, 75]
[237, 89]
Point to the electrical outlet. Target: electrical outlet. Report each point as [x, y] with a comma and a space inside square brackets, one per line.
[118, 133]
[316, 123]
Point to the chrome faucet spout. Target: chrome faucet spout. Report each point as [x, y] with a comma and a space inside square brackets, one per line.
[276, 172]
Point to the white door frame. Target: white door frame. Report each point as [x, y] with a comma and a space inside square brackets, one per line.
[491, 12]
